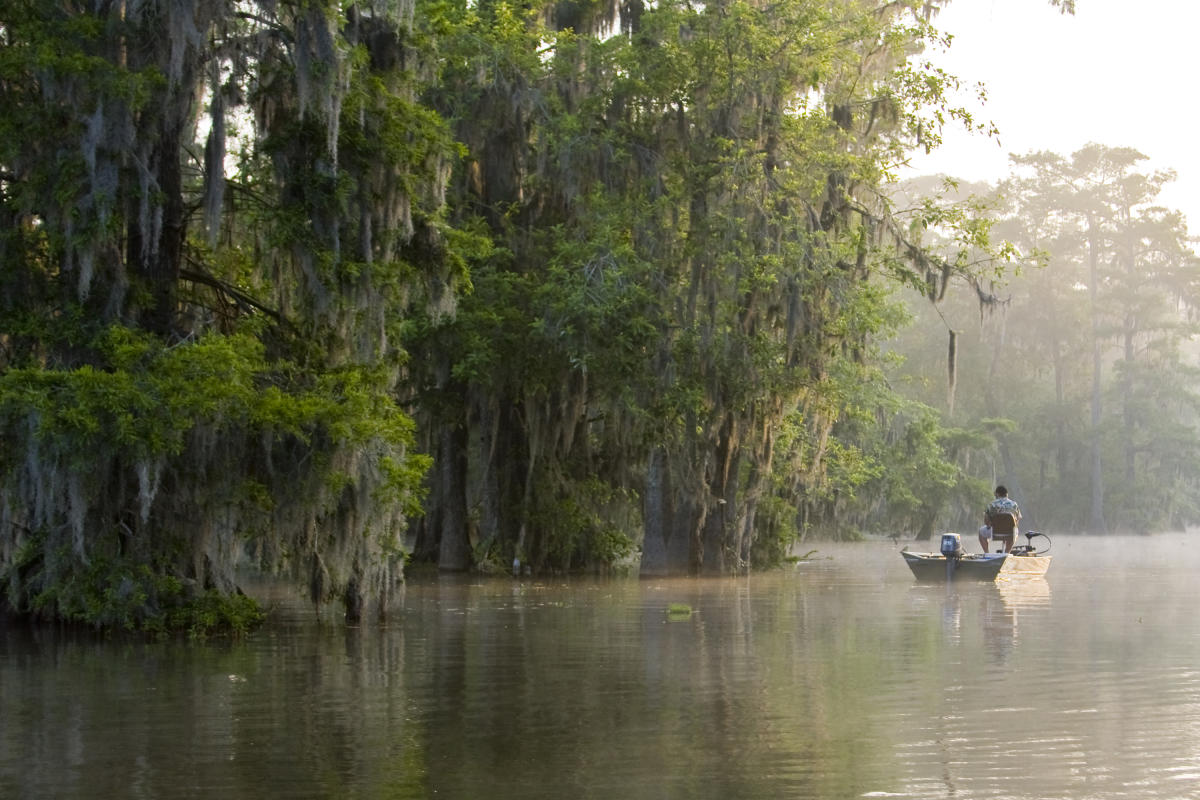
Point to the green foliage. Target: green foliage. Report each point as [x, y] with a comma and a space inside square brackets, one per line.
[582, 528]
[688, 234]
[145, 403]
[678, 611]
[124, 594]
[176, 409]
[778, 531]
[144, 399]
[215, 612]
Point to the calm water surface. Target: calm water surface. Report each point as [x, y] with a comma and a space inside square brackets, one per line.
[839, 679]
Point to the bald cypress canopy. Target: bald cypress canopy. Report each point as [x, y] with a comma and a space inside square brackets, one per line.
[574, 280]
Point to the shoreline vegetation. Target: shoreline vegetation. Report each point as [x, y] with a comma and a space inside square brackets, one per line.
[326, 291]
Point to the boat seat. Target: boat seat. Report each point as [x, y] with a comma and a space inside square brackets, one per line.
[1004, 529]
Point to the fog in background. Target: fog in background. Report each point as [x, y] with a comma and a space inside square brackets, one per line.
[1080, 362]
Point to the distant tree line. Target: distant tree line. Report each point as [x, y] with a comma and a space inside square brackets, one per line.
[1082, 383]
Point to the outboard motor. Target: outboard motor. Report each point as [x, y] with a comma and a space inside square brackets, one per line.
[952, 545]
[952, 550]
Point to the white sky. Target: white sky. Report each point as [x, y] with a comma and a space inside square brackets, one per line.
[1118, 73]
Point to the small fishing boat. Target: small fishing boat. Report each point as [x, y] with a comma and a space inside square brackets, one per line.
[968, 566]
[1024, 561]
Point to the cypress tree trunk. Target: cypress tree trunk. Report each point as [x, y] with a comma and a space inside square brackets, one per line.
[488, 480]
[1059, 364]
[160, 266]
[1127, 412]
[723, 499]
[656, 515]
[454, 552]
[684, 547]
[1098, 525]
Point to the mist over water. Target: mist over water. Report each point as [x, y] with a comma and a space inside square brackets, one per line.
[839, 678]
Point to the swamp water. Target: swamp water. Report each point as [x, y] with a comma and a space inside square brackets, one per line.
[841, 678]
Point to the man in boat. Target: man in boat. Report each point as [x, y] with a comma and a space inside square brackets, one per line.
[1000, 518]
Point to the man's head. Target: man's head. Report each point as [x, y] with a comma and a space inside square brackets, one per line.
[1001, 491]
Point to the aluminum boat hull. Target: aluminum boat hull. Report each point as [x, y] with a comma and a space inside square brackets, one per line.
[932, 567]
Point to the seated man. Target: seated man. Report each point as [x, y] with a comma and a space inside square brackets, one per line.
[1002, 515]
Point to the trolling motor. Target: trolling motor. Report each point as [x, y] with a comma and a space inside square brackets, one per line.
[1028, 549]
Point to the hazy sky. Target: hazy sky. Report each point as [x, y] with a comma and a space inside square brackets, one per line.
[1119, 73]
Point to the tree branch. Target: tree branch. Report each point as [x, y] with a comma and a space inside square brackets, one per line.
[240, 297]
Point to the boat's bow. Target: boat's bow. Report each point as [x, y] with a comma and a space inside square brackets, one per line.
[1031, 566]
